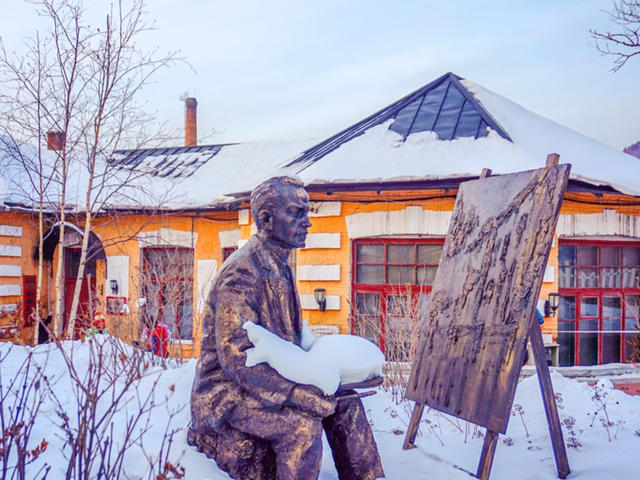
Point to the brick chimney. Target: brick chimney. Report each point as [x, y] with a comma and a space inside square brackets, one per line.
[191, 123]
[55, 140]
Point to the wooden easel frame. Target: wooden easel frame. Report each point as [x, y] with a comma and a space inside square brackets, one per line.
[546, 388]
[491, 438]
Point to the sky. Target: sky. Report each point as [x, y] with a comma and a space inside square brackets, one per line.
[290, 69]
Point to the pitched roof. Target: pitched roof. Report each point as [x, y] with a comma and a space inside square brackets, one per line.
[447, 130]
[443, 106]
[393, 144]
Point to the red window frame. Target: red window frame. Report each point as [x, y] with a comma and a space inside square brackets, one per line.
[187, 282]
[385, 290]
[599, 292]
[28, 298]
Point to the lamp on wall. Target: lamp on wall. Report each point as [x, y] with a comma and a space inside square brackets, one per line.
[114, 286]
[551, 304]
[320, 296]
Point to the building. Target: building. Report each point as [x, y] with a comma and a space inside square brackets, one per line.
[382, 194]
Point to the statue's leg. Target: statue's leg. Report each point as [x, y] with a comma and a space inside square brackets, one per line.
[295, 437]
[352, 444]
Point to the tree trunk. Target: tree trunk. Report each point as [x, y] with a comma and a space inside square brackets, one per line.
[73, 314]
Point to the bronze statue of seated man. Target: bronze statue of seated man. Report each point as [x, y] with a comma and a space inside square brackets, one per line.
[255, 423]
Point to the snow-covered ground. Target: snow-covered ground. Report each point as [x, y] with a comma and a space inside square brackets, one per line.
[446, 446]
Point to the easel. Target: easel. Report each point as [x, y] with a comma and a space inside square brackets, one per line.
[491, 438]
[553, 420]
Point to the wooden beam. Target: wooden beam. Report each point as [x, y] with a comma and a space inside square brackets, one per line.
[549, 400]
[414, 424]
[552, 160]
[486, 457]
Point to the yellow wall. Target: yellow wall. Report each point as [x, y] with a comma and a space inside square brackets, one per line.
[119, 237]
[27, 242]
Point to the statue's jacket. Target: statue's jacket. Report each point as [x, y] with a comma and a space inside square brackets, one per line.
[255, 284]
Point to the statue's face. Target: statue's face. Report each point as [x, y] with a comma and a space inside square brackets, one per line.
[290, 222]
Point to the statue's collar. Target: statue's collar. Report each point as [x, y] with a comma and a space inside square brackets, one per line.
[280, 252]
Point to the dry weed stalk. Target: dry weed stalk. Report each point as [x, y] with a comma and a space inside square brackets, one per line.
[22, 394]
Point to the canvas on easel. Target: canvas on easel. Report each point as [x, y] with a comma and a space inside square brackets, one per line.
[473, 337]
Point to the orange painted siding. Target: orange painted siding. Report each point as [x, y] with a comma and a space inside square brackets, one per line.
[120, 237]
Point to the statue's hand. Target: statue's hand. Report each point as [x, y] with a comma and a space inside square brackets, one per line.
[312, 400]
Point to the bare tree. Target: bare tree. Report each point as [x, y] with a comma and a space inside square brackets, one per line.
[91, 78]
[624, 42]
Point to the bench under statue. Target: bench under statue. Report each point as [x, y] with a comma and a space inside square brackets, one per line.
[255, 422]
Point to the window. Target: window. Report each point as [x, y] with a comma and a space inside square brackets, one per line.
[167, 285]
[392, 281]
[599, 285]
[227, 251]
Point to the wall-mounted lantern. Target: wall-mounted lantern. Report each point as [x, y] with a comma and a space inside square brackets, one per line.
[551, 304]
[320, 296]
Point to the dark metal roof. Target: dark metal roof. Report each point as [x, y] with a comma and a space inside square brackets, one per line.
[444, 106]
[174, 162]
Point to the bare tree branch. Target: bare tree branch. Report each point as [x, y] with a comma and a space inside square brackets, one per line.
[624, 42]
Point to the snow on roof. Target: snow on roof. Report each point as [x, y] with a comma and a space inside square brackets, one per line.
[451, 128]
[591, 160]
[234, 168]
[374, 150]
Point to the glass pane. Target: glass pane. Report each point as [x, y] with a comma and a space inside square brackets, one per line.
[611, 278]
[367, 317]
[423, 302]
[373, 274]
[169, 317]
[567, 309]
[611, 307]
[185, 321]
[429, 254]
[426, 275]
[566, 323]
[72, 261]
[588, 346]
[611, 341]
[631, 277]
[399, 275]
[400, 253]
[397, 339]
[631, 256]
[566, 255]
[367, 303]
[587, 255]
[611, 256]
[589, 307]
[398, 305]
[632, 323]
[631, 347]
[567, 277]
[588, 278]
[566, 339]
[370, 253]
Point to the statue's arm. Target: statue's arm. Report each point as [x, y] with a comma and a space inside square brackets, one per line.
[237, 301]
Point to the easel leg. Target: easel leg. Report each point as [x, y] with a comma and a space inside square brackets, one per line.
[486, 457]
[414, 423]
[549, 400]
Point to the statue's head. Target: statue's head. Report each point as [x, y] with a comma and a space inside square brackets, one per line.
[280, 209]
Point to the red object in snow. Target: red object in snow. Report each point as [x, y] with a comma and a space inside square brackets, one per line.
[99, 321]
[159, 340]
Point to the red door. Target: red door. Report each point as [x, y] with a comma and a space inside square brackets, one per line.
[87, 291]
